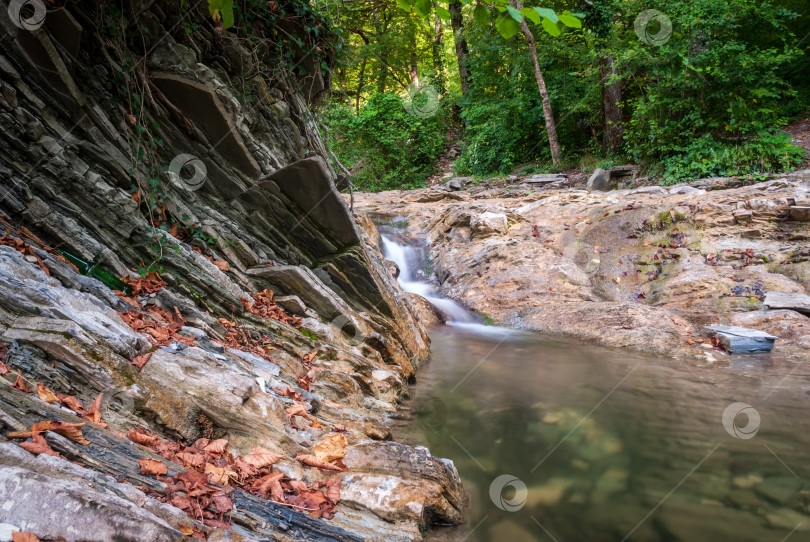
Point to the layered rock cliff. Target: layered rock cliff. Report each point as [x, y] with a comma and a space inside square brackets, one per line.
[150, 145]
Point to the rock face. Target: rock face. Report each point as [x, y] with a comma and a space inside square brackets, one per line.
[486, 224]
[224, 198]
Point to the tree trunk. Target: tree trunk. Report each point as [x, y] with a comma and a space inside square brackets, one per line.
[378, 32]
[360, 82]
[548, 113]
[611, 101]
[462, 51]
[438, 54]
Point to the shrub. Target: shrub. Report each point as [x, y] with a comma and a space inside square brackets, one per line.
[385, 146]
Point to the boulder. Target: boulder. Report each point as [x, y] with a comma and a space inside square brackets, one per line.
[488, 223]
[91, 510]
[399, 482]
[794, 302]
[456, 183]
[425, 312]
[740, 340]
[600, 180]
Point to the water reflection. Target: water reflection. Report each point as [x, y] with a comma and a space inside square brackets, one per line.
[613, 446]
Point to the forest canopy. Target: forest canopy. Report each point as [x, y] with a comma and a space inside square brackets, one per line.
[686, 88]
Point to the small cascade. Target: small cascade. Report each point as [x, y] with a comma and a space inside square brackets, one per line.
[408, 259]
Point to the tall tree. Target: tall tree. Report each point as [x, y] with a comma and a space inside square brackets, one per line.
[439, 78]
[600, 20]
[462, 51]
[548, 112]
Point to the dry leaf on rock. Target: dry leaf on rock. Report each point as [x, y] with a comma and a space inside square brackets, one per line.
[266, 483]
[222, 503]
[45, 394]
[73, 431]
[260, 458]
[216, 447]
[313, 461]
[153, 467]
[72, 403]
[190, 459]
[140, 361]
[332, 447]
[297, 410]
[39, 446]
[22, 536]
[220, 475]
[142, 437]
[20, 383]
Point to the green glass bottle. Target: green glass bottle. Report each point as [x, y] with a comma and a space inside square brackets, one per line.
[92, 269]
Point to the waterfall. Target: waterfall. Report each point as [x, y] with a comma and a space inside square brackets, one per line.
[407, 259]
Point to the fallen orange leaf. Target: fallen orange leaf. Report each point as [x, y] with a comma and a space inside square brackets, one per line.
[313, 461]
[45, 394]
[332, 447]
[152, 467]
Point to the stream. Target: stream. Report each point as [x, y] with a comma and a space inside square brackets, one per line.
[556, 440]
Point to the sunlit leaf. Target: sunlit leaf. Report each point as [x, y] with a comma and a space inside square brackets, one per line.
[422, 7]
[442, 13]
[532, 15]
[551, 28]
[547, 13]
[506, 26]
[515, 14]
[568, 19]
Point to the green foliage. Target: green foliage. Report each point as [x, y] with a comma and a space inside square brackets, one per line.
[706, 100]
[706, 157]
[508, 20]
[222, 10]
[384, 145]
[711, 78]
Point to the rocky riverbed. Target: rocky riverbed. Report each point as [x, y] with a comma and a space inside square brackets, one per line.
[646, 268]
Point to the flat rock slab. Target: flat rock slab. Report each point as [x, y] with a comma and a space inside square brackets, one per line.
[545, 179]
[201, 105]
[741, 340]
[309, 184]
[800, 213]
[794, 302]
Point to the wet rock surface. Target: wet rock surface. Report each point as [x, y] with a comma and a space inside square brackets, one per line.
[209, 359]
[645, 268]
